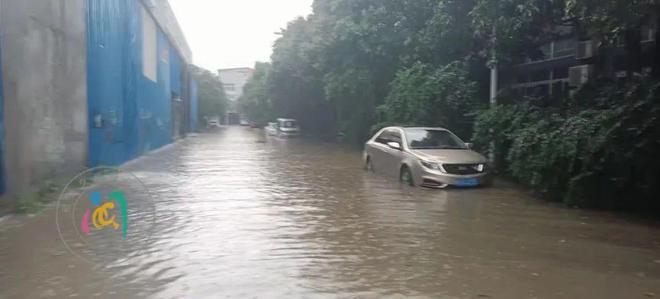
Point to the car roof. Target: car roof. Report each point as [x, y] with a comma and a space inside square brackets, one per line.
[418, 128]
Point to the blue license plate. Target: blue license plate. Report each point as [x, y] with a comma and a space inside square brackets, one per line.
[467, 182]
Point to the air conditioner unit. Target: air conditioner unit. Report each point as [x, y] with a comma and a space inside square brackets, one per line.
[580, 74]
[585, 49]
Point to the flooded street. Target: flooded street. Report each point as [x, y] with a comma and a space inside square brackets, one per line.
[241, 215]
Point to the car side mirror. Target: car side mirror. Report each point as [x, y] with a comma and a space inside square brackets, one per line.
[469, 145]
[394, 145]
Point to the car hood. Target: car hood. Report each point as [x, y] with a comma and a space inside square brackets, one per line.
[454, 156]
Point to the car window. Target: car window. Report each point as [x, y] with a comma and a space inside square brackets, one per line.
[433, 139]
[383, 138]
[389, 136]
[395, 136]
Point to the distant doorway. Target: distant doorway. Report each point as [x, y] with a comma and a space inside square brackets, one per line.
[177, 115]
[233, 119]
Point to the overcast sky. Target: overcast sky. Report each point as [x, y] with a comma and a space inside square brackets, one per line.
[234, 33]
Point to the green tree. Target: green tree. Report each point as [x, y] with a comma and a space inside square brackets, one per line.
[256, 102]
[211, 94]
[607, 20]
[426, 96]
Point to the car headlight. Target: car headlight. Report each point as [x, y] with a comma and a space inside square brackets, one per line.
[481, 167]
[432, 165]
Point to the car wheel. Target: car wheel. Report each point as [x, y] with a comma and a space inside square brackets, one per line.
[406, 176]
[368, 166]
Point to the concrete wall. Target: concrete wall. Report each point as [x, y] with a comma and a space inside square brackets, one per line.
[164, 16]
[45, 101]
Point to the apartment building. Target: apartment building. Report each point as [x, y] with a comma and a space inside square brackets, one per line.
[561, 64]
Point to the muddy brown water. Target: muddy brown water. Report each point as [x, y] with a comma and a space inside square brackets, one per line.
[242, 215]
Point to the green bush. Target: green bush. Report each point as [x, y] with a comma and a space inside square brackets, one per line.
[603, 157]
[424, 95]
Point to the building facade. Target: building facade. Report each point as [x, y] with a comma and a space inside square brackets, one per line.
[89, 83]
[233, 82]
[561, 64]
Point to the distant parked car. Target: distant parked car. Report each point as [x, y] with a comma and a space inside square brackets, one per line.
[287, 127]
[271, 129]
[244, 122]
[213, 122]
[429, 157]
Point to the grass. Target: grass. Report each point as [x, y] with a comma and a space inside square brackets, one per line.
[35, 202]
[29, 204]
[32, 203]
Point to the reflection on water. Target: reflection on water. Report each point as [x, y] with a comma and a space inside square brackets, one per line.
[242, 215]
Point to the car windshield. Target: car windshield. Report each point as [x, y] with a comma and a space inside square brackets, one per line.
[433, 139]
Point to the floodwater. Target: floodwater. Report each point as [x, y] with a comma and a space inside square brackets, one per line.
[241, 215]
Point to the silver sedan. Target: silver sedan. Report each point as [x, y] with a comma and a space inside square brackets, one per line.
[429, 157]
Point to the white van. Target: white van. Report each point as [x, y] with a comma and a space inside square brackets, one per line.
[287, 127]
[271, 129]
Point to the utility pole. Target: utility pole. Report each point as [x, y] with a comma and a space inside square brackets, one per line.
[492, 64]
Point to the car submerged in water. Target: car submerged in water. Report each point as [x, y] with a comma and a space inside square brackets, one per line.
[287, 127]
[271, 129]
[428, 157]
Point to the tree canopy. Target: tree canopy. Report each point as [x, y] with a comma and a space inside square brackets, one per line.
[211, 94]
[352, 63]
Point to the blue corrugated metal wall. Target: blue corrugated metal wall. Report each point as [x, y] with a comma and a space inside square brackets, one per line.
[108, 49]
[136, 112]
[176, 71]
[154, 104]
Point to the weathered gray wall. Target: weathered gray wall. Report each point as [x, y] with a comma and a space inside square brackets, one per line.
[45, 92]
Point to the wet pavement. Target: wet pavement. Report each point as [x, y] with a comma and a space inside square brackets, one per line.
[242, 215]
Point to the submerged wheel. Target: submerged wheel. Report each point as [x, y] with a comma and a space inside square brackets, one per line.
[406, 176]
[368, 166]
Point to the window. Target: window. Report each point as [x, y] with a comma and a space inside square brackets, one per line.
[560, 73]
[395, 136]
[383, 138]
[540, 75]
[165, 55]
[565, 47]
[541, 53]
[648, 31]
[560, 88]
[149, 47]
[433, 139]
[389, 136]
[524, 78]
[541, 90]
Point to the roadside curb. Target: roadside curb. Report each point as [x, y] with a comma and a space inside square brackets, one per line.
[154, 152]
